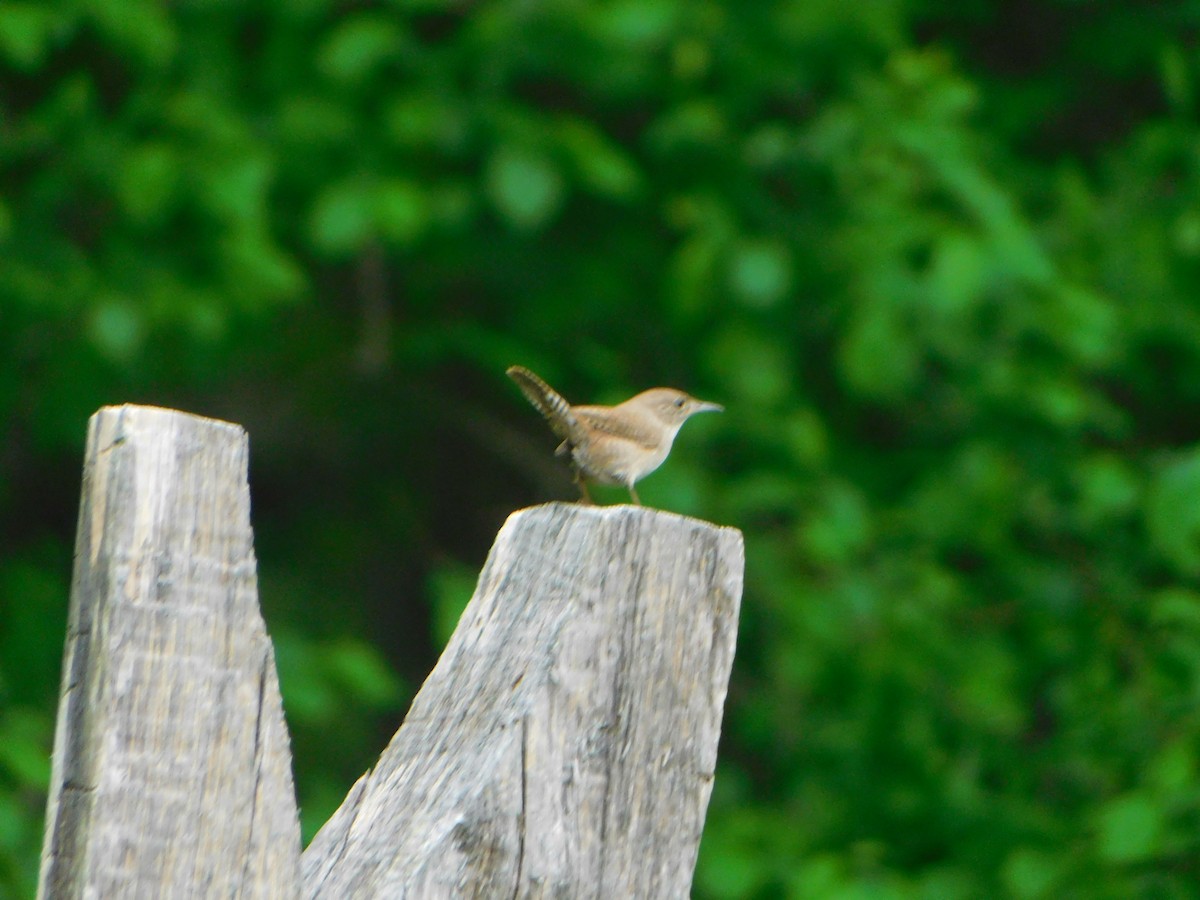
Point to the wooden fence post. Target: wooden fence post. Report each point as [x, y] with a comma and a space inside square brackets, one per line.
[172, 770]
[565, 743]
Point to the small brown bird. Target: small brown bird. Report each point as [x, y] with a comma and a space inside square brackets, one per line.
[612, 444]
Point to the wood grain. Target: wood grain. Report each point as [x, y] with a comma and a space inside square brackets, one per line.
[565, 743]
[172, 767]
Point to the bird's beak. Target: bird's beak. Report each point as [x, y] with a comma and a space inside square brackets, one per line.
[705, 406]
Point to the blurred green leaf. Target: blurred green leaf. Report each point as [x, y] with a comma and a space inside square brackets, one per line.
[636, 25]
[1129, 829]
[117, 328]
[401, 210]
[450, 587]
[148, 181]
[141, 28]
[693, 274]
[1031, 874]
[958, 273]
[313, 122]
[693, 122]
[236, 188]
[1087, 324]
[839, 527]
[525, 187]
[358, 667]
[1173, 771]
[602, 166]
[1173, 512]
[342, 218]
[433, 120]
[309, 698]
[807, 437]
[878, 356]
[26, 31]
[360, 44]
[25, 739]
[260, 269]
[1175, 608]
[13, 824]
[760, 272]
[750, 366]
[1107, 487]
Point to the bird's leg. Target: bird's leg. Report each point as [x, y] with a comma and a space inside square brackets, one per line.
[633, 494]
[584, 497]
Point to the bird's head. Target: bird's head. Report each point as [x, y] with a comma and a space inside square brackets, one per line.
[673, 407]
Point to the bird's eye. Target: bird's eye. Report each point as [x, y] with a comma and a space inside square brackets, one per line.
[679, 402]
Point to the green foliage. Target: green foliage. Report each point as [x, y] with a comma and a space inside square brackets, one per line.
[328, 686]
[939, 261]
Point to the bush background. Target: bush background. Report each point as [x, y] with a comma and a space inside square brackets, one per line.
[940, 260]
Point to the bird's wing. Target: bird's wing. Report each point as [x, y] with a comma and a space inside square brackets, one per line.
[601, 418]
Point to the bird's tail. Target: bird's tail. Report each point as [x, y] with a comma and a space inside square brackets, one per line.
[550, 403]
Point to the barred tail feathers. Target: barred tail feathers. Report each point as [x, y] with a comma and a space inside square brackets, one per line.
[551, 404]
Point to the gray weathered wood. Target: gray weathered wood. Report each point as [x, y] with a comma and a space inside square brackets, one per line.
[172, 768]
[564, 746]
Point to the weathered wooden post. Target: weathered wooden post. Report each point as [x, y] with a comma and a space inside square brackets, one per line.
[564, 745]
[172, 770]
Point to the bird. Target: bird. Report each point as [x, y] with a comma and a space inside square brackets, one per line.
[618, 445]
